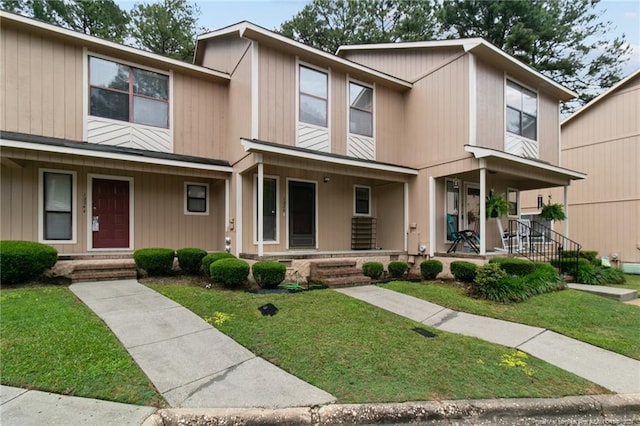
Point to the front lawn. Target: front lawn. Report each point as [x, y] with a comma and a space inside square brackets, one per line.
[593, 319]
[52, 342]
[361, 353]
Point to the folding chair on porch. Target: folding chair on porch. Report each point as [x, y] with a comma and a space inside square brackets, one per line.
[467, 236]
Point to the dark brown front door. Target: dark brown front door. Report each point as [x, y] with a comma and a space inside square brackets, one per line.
[302, 214]
[110, 221]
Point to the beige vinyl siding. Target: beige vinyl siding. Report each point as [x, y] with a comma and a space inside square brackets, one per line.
[548, 123]
[41, 85]
[490, 109]
[339, 120]
[389, 114]
[389, 200]
[277, 87]
[238, 111]
[200, 116]
[225, 54]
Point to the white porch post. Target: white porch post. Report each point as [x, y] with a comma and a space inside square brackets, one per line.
[566, 211]
[238, 224]
[432, 216]
[260, 226]
[483, 210]
[227, 196]
[406, 216]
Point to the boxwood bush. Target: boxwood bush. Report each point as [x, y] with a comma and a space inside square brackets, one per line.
[208, 260]
[268, 274]
[429, 269]
[514, 265]
[23, 260]
[397, 269]
[373, 269]
[155, 261]
[463, 271]
[231, 272]
[190, 260]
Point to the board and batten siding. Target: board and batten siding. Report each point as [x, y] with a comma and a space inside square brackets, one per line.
[41, 89]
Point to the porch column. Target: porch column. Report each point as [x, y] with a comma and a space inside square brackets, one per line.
[227, 196]
[238, 223]
[260, 226]
[432, 216]
[483, 211]
[406, 216]
[566, 211]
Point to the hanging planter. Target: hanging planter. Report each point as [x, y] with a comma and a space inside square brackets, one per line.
[496, 205]
[552, 212]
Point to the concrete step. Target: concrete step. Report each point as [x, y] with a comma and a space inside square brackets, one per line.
[619, 294]
[345, 281]
[103, 275]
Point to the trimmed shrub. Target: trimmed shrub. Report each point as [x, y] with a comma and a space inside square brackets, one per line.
[209, 259]
[493, 283]
[397, 269]
[231, 272]
[268, 274]
[514, 266]
[23, 260]
[568, 266]
[464, 271]
[429, 269]
[486, 282]
[611, 275]
[190, 260]
[156, 261]
[373, 269]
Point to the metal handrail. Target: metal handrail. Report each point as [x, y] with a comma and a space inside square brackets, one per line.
[540, 243]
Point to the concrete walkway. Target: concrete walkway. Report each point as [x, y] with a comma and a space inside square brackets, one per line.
[191, 363]
[611, 370]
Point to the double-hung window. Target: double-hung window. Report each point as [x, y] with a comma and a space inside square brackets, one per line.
[522, 111]
[196, 198]
[362, 200]
[313, 96]
[58, 204]
[360, 109]
[125, 93]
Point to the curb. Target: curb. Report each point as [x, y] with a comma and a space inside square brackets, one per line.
[572, 410]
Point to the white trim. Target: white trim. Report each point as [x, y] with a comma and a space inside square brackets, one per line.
[480, 152]
[373, 108]
[315, 184]
[85, 93]
[238, 222]
[327, 72]
[483, 209]
[90, 177]
[260, 206]
[255, 92]
[227, 200]
[112, 156]
[406, 215]
[95, 41]
[566, 210]
[283, 150]
[432, 216]
[172, 127]
[355, 188]
[508, 78]
[186, 196]
[74, 206]
[473, 100]
[255, 215]
[250, 31]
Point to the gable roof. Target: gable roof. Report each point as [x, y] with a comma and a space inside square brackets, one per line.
[482, 49]
[266, 37]
[118, 51]
[603, 95]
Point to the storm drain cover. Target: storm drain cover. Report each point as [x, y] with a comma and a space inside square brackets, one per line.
[423, 332]
[268, 310]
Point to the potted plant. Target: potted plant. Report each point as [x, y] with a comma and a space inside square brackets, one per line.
[552, 212]
[496, 205]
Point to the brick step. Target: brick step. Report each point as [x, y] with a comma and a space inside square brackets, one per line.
[105, 264]
[332, 264]
[92, 257]
[345, 281]
[103, 275]
[336, 273]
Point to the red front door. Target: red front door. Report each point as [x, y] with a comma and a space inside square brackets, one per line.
[110, 221]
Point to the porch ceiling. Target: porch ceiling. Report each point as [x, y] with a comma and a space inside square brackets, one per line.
[530, 173]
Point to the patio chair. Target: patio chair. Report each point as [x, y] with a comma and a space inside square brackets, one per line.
[505, 237]
[467, 236]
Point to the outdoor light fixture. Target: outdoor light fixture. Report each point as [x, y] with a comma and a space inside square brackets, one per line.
[539, 201]
[456, 184]
[326, 179]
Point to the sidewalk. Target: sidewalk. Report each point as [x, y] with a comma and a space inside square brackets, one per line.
[611, 370]
[191, 363]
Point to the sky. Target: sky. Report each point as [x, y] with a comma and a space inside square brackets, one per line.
[215, 14]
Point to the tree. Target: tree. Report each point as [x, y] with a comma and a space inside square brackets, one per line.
[329, 24]
[562, 39]
[167, 28]
[100, 18]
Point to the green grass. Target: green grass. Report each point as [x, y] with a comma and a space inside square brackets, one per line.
[360, 353]
[593, 319]
[52, 342]
[632, 282]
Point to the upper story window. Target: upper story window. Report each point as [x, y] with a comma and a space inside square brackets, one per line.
[313, 96]
[360, 109]
[125, 93]
[522, 111]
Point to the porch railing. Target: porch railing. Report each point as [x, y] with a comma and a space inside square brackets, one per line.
[540, 243]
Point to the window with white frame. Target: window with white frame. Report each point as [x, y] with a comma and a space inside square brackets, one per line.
[196, 198]
[125, 93]
[512, 198]
[57, 205]
[362, 200]
[269, 209]
[360, 109]
[313, 101]
[522, 111]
